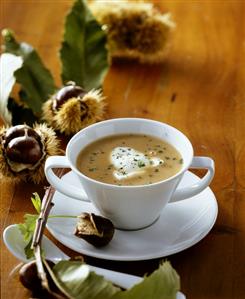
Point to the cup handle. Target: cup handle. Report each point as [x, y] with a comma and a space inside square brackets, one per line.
[186, 192]
[57, 183]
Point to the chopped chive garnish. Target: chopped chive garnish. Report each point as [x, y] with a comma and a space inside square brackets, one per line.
[141, 164]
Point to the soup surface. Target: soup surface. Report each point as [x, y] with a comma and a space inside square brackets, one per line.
[129, 159]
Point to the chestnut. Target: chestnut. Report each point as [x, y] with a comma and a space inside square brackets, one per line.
[18, 131]
[94, 229]
[23, 151]
[29, 277]
[66, 93]
[71, 109]
[22, 145]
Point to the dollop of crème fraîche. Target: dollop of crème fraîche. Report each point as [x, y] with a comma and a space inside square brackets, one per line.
[129, 162]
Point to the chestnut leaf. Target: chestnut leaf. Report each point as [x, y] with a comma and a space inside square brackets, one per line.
[34, 78]
[83, 54]
[162, 283]
[9, 63]
[75, 280]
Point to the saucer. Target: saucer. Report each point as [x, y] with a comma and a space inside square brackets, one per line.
[180, 225]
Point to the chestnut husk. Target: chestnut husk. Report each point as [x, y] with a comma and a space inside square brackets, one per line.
[135, 30]
[72, 109]
[94, 229]
[24, 150]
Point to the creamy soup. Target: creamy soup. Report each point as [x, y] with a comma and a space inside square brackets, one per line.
[129, 159]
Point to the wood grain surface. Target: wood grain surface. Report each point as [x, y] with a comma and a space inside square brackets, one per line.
[200, 89]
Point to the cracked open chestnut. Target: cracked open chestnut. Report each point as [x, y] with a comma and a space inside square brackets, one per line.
[94, 229]
[72, 108]
[24, 150]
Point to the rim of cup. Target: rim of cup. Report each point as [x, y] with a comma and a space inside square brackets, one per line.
[77, 135]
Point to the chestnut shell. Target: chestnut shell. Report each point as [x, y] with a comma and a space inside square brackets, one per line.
[94, 229]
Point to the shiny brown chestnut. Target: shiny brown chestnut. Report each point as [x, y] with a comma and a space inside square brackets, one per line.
[18, 131]
[24, 150]
[66, 93]
[23, 145]
[28, 276]
[94, 229]
[72, 108]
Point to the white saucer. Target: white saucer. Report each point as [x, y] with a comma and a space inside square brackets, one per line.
[180, 225]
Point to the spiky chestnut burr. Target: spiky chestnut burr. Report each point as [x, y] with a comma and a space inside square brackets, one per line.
[134, 30]
[72, 109]
[24, 150]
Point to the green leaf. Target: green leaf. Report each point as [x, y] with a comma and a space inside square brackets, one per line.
[83, 53]
[36, 201]
[27, 230]
[8, 65]
[35, 79]
[164, 283]
[28, 250]
[76, 281]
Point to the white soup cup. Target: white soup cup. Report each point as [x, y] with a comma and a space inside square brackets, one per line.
[129, 207]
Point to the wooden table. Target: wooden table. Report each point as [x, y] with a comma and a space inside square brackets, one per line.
[200, 89]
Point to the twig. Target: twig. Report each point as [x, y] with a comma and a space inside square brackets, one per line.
[39, 230]
[43, 216]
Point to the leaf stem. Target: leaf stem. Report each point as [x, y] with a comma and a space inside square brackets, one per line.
[61, 216]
